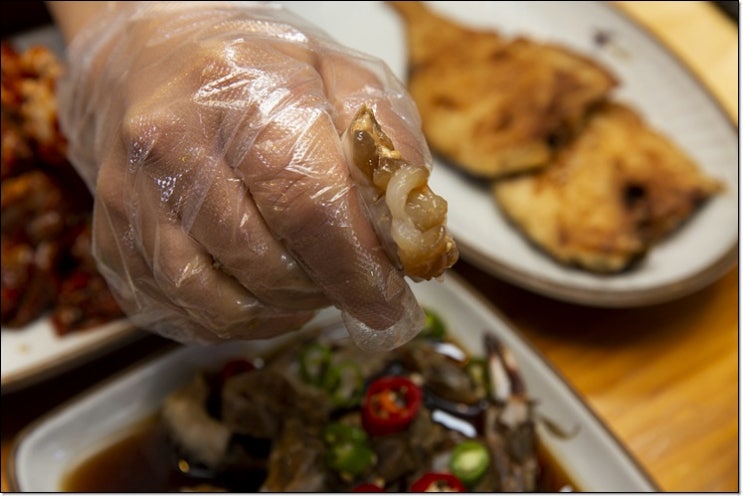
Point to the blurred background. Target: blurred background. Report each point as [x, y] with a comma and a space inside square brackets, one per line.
[20, 16]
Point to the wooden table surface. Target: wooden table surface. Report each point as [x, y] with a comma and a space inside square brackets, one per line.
[664, 378]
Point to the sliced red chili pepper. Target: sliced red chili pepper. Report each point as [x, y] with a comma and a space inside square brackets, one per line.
[368, 487]
[390, 405]
[437, 482]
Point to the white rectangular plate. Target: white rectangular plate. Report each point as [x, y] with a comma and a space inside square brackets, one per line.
[593, 458]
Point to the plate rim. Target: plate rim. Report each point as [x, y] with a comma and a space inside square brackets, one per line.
[613, 298]
[120, 332]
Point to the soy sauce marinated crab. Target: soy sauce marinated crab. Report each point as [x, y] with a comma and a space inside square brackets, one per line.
[323, 415]
[408, 216]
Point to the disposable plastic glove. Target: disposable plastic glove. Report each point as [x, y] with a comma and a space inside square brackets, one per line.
[224, 209]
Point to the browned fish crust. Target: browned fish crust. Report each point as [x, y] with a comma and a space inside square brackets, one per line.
[619, 188]
[495, 106]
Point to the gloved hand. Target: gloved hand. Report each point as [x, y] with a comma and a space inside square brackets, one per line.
[224, 209]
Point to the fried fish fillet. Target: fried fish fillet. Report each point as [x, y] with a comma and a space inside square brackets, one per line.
[491, 105]
[619, 188]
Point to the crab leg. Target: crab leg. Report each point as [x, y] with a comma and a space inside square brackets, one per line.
[509, 422]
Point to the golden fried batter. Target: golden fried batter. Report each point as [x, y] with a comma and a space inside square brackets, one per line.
[617, 189]
[494, 106]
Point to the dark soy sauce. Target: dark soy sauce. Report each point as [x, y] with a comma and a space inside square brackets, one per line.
[144, 460]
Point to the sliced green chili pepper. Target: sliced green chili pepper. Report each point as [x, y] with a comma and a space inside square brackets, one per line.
[469, 461]
[434, 327]
[314, 359]
[344, 382]
[350, 459]
[349, 452]
[337, 432]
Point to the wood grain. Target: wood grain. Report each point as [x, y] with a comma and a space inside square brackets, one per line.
[701, 36]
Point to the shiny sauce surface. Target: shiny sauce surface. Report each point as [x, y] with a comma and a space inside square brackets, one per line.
[144, 460]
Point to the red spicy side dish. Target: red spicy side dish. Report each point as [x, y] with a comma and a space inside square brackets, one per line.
[47, 266]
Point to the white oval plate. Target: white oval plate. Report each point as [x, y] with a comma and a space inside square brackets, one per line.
[652, 80]
[593, 458]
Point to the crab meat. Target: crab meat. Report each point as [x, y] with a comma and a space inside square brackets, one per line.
[408, 217]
